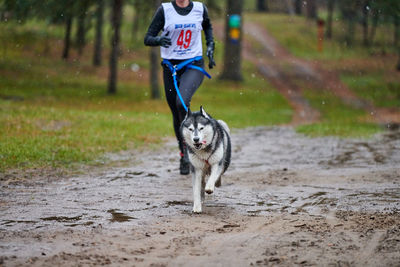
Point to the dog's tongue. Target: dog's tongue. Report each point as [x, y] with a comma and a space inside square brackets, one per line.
[204, 142]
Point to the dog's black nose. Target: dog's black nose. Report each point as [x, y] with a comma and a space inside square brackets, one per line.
[196, 139]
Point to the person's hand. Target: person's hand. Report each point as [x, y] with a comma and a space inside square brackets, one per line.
[210, 54]
[163, 41]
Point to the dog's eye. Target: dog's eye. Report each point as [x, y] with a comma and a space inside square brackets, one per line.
[191, 129]
[201, 128]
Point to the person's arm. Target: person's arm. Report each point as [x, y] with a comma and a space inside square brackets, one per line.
[157, 24]
[208, 32]
[207, 26]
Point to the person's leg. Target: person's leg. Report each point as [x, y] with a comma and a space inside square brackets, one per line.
[170, 94]
[189, 81]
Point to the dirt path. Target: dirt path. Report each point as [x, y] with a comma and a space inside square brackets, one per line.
[284, 71]
[266, 54]
[285, 200]
[269, 56]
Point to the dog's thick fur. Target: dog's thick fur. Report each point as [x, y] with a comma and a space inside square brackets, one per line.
[209, 147]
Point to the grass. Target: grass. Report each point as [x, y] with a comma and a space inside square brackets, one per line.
[337, 119]
[368, 71]
[57, 114]
[39, 136]
[250, 103]
[373, 88]
[299, 36]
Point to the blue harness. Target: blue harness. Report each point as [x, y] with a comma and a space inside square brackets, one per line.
[185, 64]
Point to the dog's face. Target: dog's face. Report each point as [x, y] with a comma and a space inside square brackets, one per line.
[197, 129]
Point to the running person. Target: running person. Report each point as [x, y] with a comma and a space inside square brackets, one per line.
[181, 23]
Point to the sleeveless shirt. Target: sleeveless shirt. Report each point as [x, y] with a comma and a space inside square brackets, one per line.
[184, 31]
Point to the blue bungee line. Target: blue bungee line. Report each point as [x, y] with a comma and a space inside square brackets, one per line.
[188, 64]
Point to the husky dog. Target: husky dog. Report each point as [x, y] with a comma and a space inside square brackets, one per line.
[209, 148]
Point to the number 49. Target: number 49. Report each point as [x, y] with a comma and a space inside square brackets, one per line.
[184, 39]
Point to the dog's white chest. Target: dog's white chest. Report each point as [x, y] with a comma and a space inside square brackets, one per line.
[201, 158]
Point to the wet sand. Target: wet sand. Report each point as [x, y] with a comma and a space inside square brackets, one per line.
[286, 200]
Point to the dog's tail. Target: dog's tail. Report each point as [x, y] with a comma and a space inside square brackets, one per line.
[224, 125]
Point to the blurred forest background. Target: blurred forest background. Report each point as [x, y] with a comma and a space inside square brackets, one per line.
[76, 81]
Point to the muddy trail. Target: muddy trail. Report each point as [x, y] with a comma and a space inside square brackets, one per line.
[286, 199]
[291, 75]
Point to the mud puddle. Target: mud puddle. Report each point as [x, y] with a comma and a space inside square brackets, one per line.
[286, 199]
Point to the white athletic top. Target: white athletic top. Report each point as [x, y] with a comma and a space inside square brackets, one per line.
[184, 31]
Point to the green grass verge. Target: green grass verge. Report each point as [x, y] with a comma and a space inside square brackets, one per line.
[373, 88]
[337, 119]
[33, 136]
[250, 103]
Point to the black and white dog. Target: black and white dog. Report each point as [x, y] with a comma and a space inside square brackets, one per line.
[209, 148]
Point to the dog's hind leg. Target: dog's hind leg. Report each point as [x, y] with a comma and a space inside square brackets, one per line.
[216, 172]
[219, 181]
[196, 183]
[203, 185]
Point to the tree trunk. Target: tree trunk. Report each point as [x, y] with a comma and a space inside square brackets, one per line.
[351, 27]
[99, 33]
[67, 37]
[80, 33]
[365, 13]
[136, 21]
[298, 5]
[396, 23]
[289, 7]
[311, 9]
[398, 61]
[154, 69]
[349, 13]
[116, 18]
[331, 6]
[261, 6]
[155, 65]
[232, 56]
[375, 19]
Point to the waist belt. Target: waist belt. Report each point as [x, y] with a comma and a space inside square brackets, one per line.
[185, 64]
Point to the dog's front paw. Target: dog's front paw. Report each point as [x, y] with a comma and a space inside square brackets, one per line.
[197, 208]
[209, 188]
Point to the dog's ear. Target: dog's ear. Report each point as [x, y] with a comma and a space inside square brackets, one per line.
[188, 113]
[204, 113]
